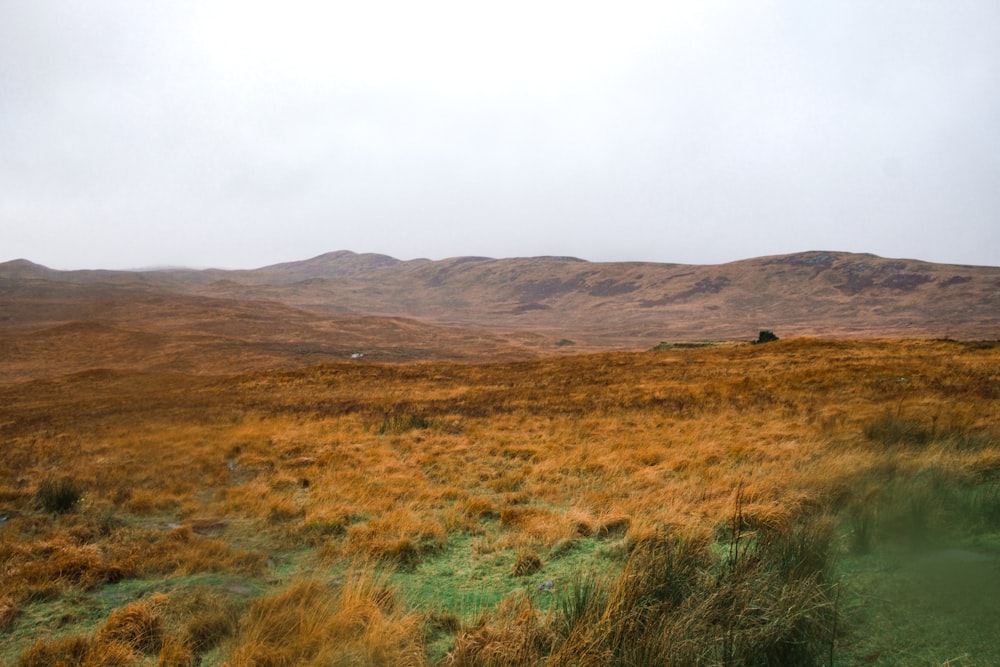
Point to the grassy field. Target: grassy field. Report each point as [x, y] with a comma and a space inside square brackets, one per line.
[799, 502]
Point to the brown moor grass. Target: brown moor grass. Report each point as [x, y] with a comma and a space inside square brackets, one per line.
[341, 464]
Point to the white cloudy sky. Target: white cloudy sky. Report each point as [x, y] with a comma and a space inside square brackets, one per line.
[235, 133]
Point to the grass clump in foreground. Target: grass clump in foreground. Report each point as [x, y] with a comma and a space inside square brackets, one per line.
[356, 621]
[763, 599]
[128, 634]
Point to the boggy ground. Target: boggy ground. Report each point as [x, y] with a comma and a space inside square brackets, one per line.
[738, 505]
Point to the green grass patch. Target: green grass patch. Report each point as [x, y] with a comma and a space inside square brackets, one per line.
[930, 607]
[466, 579]
[920, 572]
[77, 612]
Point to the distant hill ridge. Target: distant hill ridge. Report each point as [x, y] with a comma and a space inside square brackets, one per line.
[607, 304]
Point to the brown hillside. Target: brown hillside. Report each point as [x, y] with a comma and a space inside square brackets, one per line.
[639, 304]
[338, 304]
[56, 327]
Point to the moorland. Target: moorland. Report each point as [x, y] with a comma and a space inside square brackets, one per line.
[476, 308]
[183, 485]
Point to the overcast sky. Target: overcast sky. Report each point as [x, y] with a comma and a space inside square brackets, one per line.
[235, 134]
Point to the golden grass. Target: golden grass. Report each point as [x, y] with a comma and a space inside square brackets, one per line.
[354, 622]
[327, 466]
[129, 633]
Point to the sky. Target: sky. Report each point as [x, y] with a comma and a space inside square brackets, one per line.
[237, 133]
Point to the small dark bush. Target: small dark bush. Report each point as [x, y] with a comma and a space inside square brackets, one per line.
[58, 495]
[765, 336]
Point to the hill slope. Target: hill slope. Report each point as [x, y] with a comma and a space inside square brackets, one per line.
[342, 303]
[814, 293]
[76, 323]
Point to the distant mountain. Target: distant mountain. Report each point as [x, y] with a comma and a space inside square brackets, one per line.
[22, 268]
[468, 307]
[635, 303]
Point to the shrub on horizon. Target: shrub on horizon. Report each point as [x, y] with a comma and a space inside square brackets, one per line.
[765, 336]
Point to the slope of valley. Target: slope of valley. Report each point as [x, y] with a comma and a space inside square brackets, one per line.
[341, 304]
[56, 327]
[638, 304]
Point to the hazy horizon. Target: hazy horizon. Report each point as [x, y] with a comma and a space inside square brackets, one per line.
[238, 135]
[182, 267]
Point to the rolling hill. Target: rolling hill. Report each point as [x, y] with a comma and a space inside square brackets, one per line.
[342, 303]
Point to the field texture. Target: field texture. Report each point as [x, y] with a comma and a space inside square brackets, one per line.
[797, 502]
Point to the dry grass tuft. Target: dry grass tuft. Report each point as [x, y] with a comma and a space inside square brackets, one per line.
[525, 563]
[139, 626]
[176, 654]
[181, 551]
[206, 630]
[111, 654]
[312, 623]
[9, 608]
[400, 536]
[51, 652]
[512, 636]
